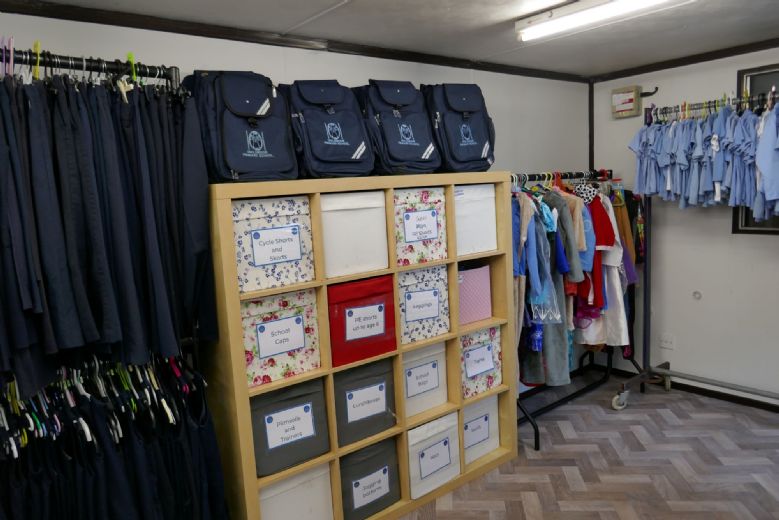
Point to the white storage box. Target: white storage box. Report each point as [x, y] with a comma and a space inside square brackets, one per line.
[424, 378]
[354, 232]
[474, 208]
[433, 455]
[305, 496]
[273, 244]
[481, 433]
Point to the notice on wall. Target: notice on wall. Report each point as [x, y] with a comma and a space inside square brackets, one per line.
[366, 402]
[279, 336]
[422, 379]
[290, 425]
[370, 487]
[364, 322]
[478, 360]
[421, 305]
[274, 245]
[420, 225]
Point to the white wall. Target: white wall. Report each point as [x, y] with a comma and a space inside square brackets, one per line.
[732, 332]
[540, 124]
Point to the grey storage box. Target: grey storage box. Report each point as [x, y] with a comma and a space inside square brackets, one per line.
[364, 401]
[369, 480]
[290, 426]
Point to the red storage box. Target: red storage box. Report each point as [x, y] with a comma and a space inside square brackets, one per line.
[362, 319]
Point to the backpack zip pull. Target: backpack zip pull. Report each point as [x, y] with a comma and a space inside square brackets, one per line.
[437, 118]
[396, 113]
[234, 174]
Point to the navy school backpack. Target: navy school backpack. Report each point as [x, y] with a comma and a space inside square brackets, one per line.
[331, 136]
[463, 128]
[245, 126]
[399, 125]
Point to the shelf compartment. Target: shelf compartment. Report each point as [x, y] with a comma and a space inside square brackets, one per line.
[365, 361]
[411, 347]
[358, 276]
[294, 470]
[479, 325]
[373, 439]
[481, 254]
[434, 263]
[492, 391]
[254, 391]
[431, 415]
[273, 291]
[488, 459]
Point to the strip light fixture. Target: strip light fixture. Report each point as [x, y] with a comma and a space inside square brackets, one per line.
[543, 26]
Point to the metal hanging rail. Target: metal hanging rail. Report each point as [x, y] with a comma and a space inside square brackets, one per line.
[48, 60]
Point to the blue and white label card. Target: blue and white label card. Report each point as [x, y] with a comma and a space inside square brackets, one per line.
[476, 431]
[422, 379]
[420, 225]
[421, 305]
[370, 487]
[478, 360]
[366, 402]
[364, 322]
[274, 245]
[290, 425]
[434, 458]
[279, 336]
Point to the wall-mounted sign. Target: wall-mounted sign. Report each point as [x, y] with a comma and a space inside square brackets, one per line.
[626, 102]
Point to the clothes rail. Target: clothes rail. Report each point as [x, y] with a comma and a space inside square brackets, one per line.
[714, 104]
[81, 63]
[530, 417]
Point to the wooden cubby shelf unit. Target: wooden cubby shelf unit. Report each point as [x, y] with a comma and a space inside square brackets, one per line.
[225, 366]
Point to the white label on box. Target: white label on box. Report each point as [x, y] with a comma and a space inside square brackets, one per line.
[476, 431]
[276, 337]
[421, 305]
[434, 458]
[290, 425]
[459, 193]
[366, 402]
[422, 379]
[420, 225]
[370, 487]
[364, 322]
[274, 245]
[478, 360]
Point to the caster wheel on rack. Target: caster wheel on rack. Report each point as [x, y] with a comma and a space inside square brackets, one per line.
[620, 401]
[667, 383]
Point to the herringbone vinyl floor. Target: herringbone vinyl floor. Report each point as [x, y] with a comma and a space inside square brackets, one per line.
[666, 456]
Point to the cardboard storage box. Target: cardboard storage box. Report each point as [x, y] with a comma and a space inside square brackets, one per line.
[433, 455]
[280, 336]
[362, 319]
[364, 401]
[424, 377]
[481, 434]
[369, 480]
[420, 225]
[305, 496]
[423, 297]
[273, 244]
[354, 232]
[481, 361]
[474, 208]
[289, 426]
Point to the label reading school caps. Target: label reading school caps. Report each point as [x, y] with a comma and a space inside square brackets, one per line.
[476, 431]
[366, 402]
[479, 360]
[422, 379]
[370, 487]
[421, 305]
[364, 322]
[420, 225]
[276, 337]
[434, 458]
[290, 425]
[274, 245]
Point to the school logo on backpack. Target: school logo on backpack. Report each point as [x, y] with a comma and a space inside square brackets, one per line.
[466, 135]
[406, 134]
[334, 134]
[255, 145]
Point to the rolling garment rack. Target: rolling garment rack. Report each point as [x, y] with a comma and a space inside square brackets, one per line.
[48, 60]
[589, 175]
[662, 372]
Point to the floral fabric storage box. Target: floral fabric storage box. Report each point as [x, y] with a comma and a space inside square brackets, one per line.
[420, 225]
[423, 296]
[280, 336]
[481, 361]
[273, 244]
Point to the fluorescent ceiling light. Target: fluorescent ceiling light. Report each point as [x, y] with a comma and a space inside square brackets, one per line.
[586, 17]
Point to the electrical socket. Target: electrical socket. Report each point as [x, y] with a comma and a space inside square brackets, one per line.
[666, 342]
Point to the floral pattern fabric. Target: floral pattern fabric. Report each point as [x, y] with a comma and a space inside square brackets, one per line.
[481, 383]
[420, 200]
[257, 214]
[287, 364]
[430, 278]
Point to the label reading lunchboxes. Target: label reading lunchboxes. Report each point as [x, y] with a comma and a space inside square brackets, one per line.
[420, 225]
[364, 322]
[274, 245]
[366, 402]
[370, 487]
[276, 337]
[421, 305]
[290, 425]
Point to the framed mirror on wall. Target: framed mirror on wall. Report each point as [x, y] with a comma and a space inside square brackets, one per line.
[756, 81]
